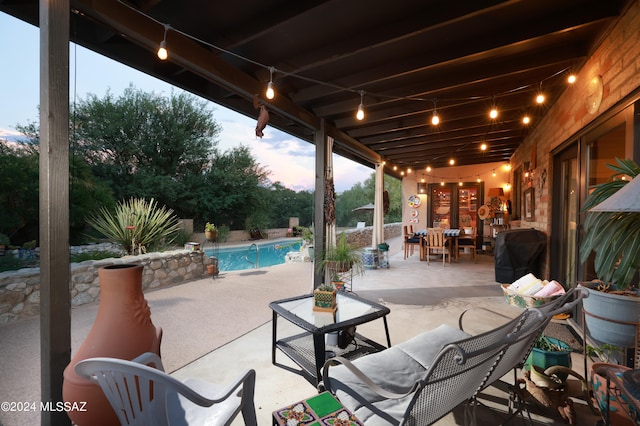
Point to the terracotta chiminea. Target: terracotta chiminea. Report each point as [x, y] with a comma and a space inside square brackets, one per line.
[122, 329]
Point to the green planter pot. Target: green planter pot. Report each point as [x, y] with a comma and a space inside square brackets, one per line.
[545, 359]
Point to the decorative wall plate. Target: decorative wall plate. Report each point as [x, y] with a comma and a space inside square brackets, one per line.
[414, 213]
[414, 201]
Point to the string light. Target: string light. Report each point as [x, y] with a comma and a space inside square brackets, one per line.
[163, 55]
[540, 98]
[428, 169]
[360, 113]
[270, 93]
[162, 50]
[483, 147]
[452, 162]
[526, 119]
[435, 120]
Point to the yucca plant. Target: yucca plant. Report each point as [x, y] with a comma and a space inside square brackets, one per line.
[614, 237]
[137, 225]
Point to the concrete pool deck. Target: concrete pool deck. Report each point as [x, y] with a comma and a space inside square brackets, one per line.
[215, 328]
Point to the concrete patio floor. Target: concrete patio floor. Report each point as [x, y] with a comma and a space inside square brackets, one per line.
[216, 328]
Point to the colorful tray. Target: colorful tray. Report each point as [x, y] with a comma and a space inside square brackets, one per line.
[320, 410]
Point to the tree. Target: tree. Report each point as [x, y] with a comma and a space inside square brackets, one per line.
[19, 195]
[147, 145]
[364, 193]
[235, 187]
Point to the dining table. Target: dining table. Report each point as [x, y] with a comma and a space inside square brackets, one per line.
[450, 234]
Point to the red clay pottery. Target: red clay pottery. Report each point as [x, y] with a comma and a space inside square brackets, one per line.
[122, 329]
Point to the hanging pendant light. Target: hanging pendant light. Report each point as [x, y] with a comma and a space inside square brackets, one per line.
[162, 50]
[360, 113]
[270, 93]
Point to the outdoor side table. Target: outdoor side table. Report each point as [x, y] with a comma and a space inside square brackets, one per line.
[308, 349]
[319, 410]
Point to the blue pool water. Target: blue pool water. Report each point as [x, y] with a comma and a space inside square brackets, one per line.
[243, 257]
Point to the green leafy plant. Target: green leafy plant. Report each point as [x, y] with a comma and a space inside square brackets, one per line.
[137, 225]
[543, 343]
[613, 236]
[326, 287]
[210, 227]
[4, 240]
[602, 352]
[342, 257]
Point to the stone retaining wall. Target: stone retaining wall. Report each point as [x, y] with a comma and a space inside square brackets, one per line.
[20, 290]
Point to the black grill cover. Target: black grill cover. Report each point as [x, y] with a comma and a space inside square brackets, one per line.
[518, 252]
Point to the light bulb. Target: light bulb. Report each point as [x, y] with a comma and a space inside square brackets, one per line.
[428, 168]
[460, 183]
[360, 113]
[162, 51]
[493, 113]
[409, 170]
[270, 93]
[571, 79]
[452, 162]
[540, 98]
[435, 120]
[483, 147]
[526, 119]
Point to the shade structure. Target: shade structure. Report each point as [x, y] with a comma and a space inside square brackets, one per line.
[627, 199]
[366, 208]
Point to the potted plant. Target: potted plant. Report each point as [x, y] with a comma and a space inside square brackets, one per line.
[210, 231]
[324, 298]
[4, 243]
[342, 257]
[548, 352]
[612, 306]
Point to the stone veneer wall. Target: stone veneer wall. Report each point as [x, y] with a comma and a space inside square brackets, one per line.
[20, 290]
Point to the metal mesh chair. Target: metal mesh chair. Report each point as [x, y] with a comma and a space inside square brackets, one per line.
[142, 395]
[455, 375]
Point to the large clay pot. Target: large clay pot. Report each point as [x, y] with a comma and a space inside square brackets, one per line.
[122, 329]
[618, 404]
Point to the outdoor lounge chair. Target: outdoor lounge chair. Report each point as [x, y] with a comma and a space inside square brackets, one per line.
[421, 380]
[142, 395]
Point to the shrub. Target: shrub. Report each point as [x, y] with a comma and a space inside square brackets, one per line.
[137, 225]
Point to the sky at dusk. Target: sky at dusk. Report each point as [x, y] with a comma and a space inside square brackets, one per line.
[290, 160]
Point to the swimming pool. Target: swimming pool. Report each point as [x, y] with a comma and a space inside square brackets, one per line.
[256, 255]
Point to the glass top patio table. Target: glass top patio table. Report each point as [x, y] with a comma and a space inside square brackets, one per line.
[308, 349]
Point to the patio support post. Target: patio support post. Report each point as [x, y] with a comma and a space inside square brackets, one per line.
[318, 221]
[378, 209]
[55, 314]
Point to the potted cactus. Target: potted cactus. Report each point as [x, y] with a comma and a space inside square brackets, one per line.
[324, 298]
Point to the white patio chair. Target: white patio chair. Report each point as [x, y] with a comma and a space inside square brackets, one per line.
[142, 395]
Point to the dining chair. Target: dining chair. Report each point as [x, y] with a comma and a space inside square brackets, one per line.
[469, 241]
[410, 242]
[436, 243]
[143, 395]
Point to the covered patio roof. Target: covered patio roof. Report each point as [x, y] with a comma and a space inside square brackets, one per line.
[404, 62]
